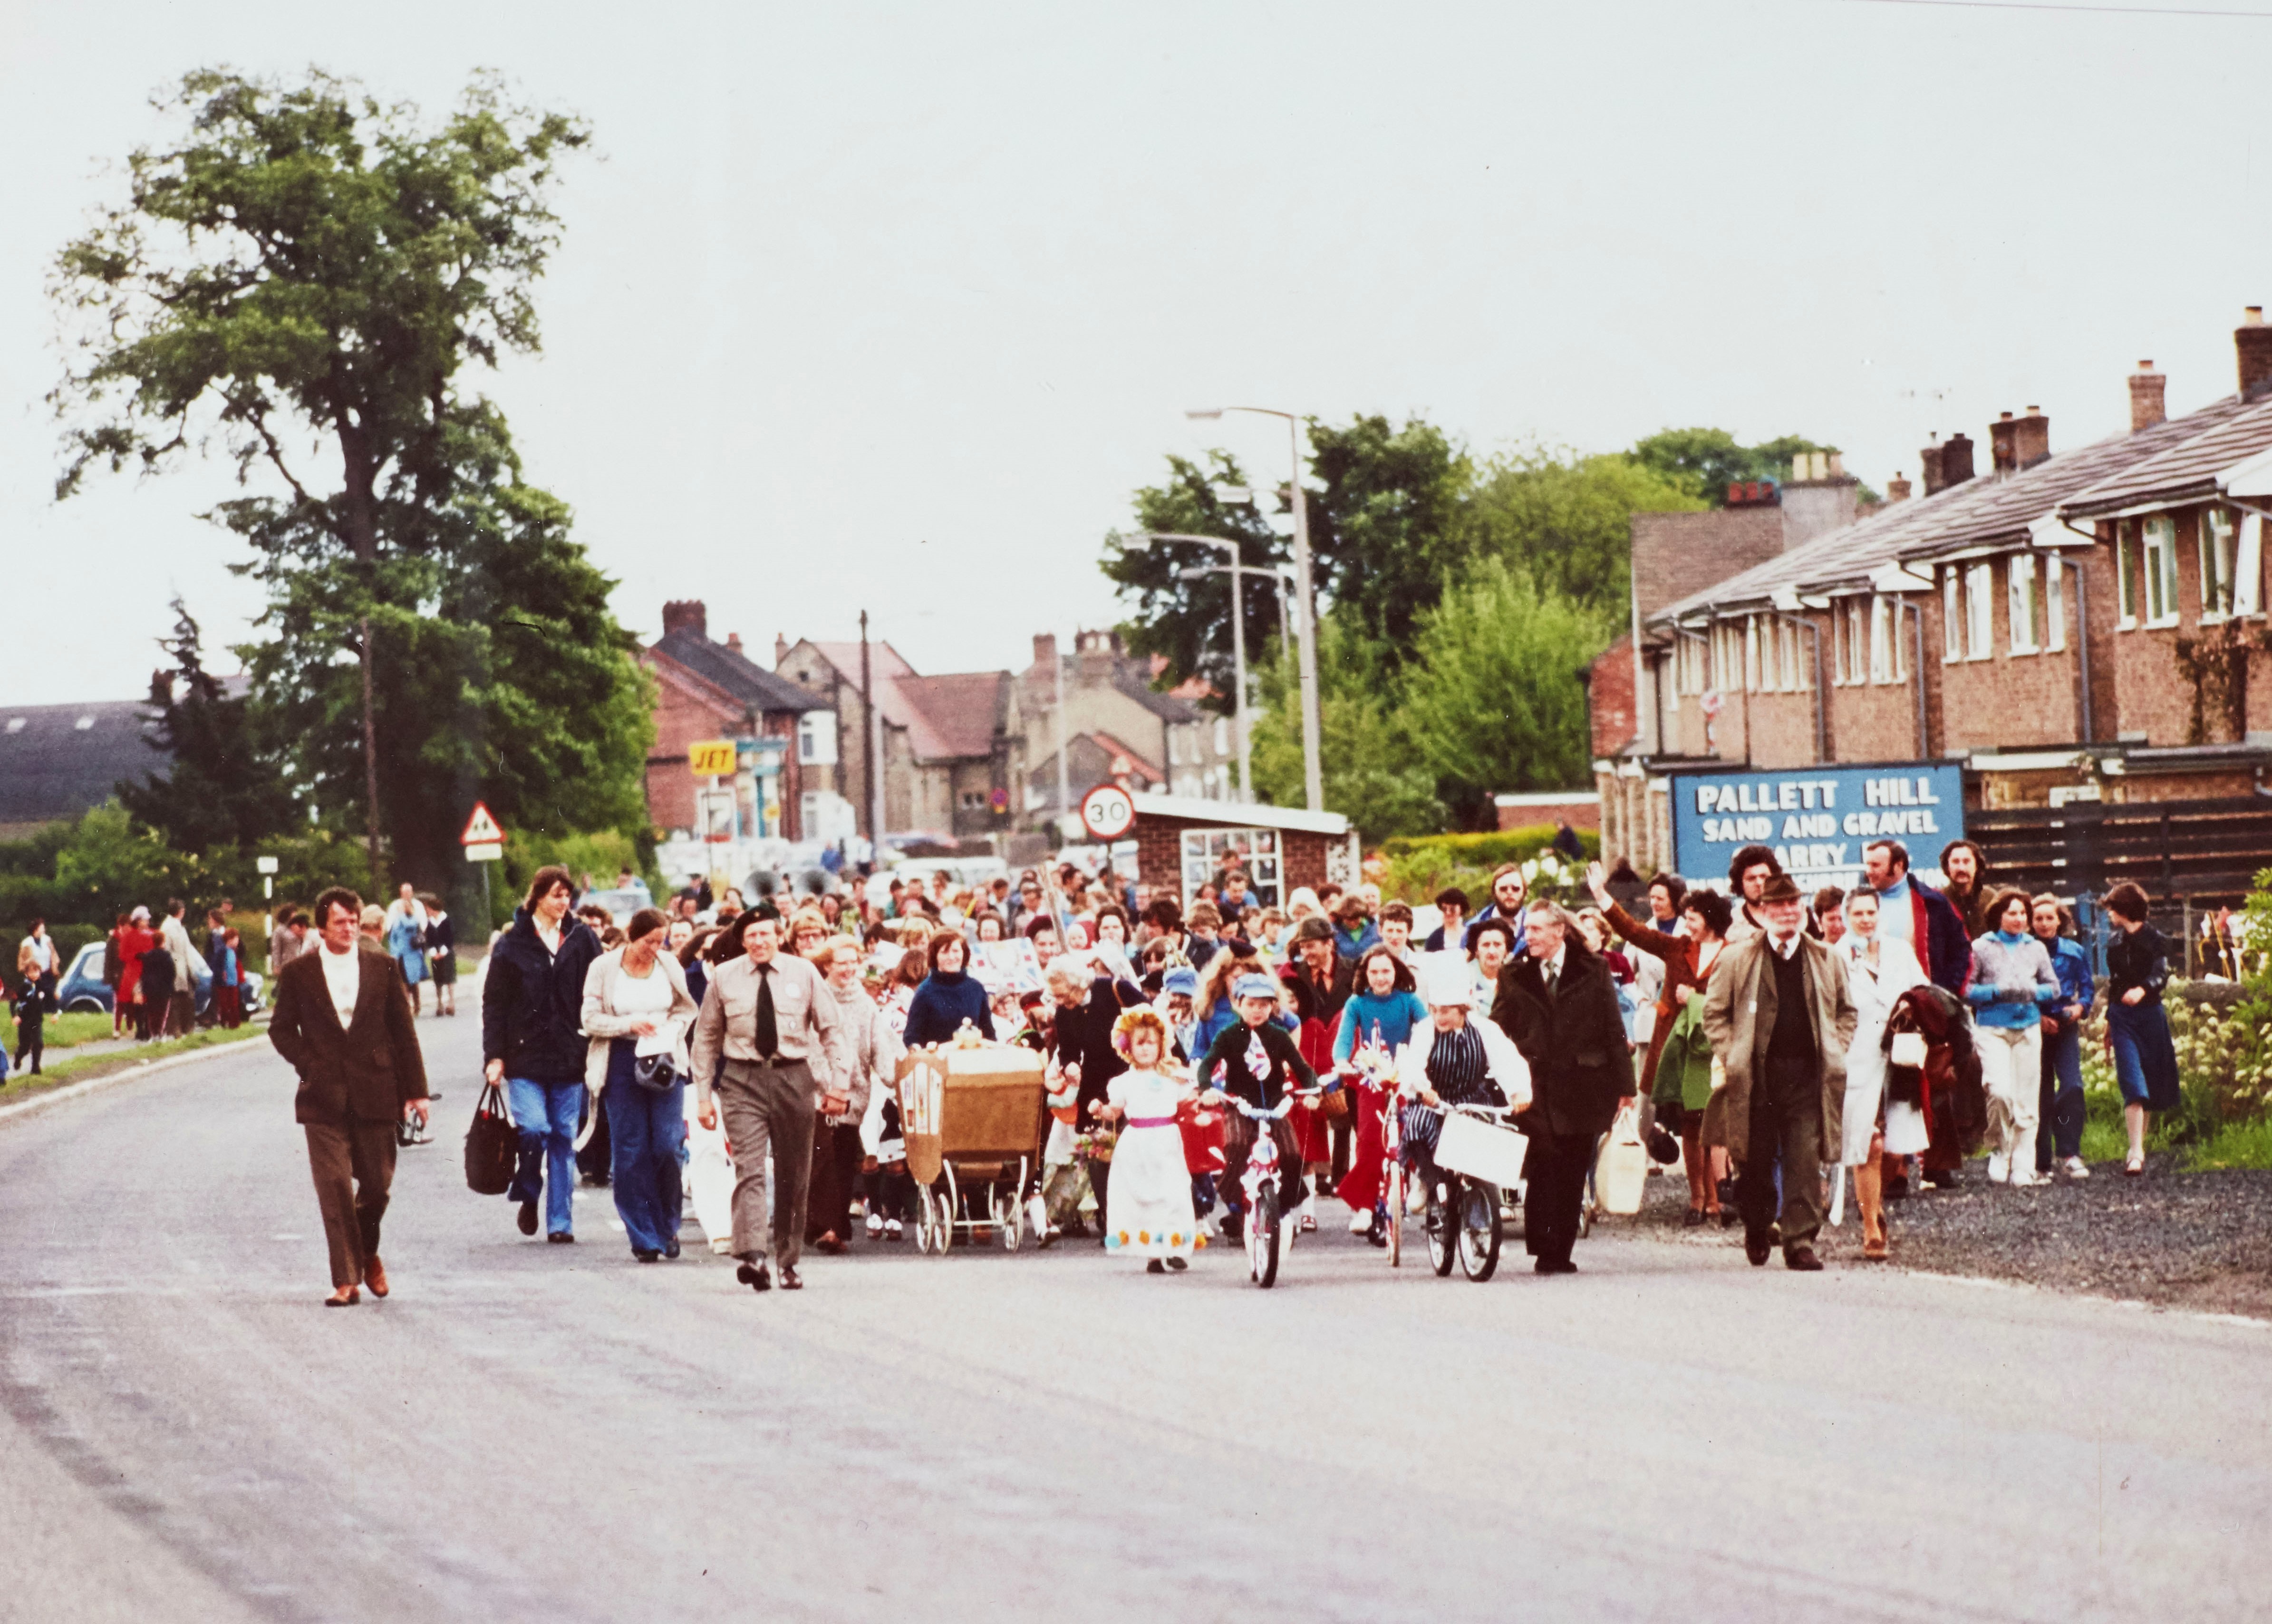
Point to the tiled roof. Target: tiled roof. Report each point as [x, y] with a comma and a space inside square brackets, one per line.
[735, 673]
[1989, 512]
[52, 767]
[2225, 433]
[954, 718]
[884, 660]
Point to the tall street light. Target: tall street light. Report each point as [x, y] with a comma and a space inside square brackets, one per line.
[1314, 783]
[1237, 647]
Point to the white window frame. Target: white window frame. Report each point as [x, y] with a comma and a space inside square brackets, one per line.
[1753, 669]
[2054, 603]
[1952, 615]
[2019, 601]
[1885, 641]
[1979, 611]
[2248, 567]
[2158, 556]
[2213, 547]
[815, 739]
[2127, 568]
[1258, 851]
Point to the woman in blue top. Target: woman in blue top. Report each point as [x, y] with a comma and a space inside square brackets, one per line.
[2060, 1132]
[1377, 1022]
[1212, 1006]
[949, 995]
[2012, 984]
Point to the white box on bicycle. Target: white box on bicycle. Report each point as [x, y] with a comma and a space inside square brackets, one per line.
[1481, 1149]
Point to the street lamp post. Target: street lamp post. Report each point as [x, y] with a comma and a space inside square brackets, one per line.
[1313, 784]
[1237, 649]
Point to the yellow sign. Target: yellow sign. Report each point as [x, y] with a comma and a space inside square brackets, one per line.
[711, 758]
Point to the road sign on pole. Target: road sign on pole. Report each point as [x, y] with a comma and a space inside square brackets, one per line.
[484, 840]
[1107, 812]
[711, 758]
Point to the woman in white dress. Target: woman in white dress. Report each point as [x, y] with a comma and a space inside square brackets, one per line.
[1879, 969]
[1149, 1204]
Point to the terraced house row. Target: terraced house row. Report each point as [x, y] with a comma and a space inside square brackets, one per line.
[2082, 629]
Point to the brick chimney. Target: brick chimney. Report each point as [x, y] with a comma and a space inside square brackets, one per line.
[1956, 461]
[2253, 341]
[2146, 390]
[686, 615]
[1045, 652]
[2031, 437]
[2002, 436]
[1897, 489]
[733, 643]
[1929, 466]
[781, 647]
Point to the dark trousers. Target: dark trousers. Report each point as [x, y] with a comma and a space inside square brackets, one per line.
[354, 1167]
[1237, 1145]
[1554, 1193]
[1786, 1132]
[31, 1036]
[768, 1108]
[2060, 1108]
[835, 1173]
[891, 1195]
[596, 1161]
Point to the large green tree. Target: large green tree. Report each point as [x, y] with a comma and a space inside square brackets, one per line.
[1385, 528]
[225, 784]
[1704, 462]
[301, 278]
[1565, 520]
[1366, 755]
[1186, 618]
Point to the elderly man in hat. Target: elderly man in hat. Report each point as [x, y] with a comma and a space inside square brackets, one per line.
[1779, 1016]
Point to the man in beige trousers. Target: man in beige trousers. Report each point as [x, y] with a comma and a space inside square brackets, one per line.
[771, 1018]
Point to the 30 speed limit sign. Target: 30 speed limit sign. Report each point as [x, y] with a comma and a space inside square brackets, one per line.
[1107, 812]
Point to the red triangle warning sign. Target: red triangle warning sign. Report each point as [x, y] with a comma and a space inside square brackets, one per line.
[481, 828]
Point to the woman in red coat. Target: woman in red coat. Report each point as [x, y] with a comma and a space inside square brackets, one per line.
[134, 941]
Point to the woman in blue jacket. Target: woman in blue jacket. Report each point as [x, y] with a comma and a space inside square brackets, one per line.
[2059, 1138]
[2013, 985]
[533, 1044]
[948, 996]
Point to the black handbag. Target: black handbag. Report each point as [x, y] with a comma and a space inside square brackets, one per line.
[492, 1145]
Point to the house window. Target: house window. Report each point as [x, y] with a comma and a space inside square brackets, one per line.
[1861, 635]
[816, 738]
[2126, 572]
[1952, 615]
[2054, 602]
[1979, 596]
[972, 801]
[1751, 668]
[1885, 642]
[1208, 852]
[2019, 600]
[2248, 567]
[1691, 660]
[2161, 571]
[2215, 542]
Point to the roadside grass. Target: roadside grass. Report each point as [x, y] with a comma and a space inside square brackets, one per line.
[79, 1068]
[2244, 1141]
[71, 1029]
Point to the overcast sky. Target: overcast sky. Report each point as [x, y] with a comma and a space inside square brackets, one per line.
[892, 307]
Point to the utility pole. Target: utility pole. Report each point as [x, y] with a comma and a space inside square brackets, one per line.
[1064, 776]
[869, 778]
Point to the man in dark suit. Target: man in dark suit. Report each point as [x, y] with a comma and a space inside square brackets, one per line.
[343, 1020]
[1557, 1002]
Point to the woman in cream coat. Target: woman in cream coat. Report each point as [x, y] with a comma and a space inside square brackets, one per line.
[1879, 969]
[636, 1003]
[872, 1055]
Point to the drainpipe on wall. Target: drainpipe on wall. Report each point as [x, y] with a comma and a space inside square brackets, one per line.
[1924, 733]
[2082, 644]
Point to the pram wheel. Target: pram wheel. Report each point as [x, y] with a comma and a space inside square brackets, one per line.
[1007, 1219]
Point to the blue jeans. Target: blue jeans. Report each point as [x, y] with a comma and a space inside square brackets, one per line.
[2060, 1111]
[646, 1131]
[548, 1116]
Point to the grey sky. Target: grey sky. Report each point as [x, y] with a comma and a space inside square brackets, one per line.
[893, 306]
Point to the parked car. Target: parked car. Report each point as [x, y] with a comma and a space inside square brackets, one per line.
[620, 903]
[83, 988]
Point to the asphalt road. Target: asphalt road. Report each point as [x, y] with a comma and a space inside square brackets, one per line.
[525, 1431]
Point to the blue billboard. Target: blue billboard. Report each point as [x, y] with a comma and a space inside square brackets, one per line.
[1816, 820]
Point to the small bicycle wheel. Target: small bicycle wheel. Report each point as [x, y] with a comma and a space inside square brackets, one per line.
[1395, 1215]
[1478, 1235]
[1262, 1235]
[1439, 1221]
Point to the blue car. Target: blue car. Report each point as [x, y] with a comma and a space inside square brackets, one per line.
[83, 988]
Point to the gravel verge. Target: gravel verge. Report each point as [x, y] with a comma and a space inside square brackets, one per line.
[2194, 1241]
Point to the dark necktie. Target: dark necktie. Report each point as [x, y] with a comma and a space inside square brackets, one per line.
[769, 1035]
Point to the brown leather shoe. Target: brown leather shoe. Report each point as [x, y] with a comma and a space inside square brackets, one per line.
[790, 1282]
[1801, 1258]
[345, 1297]
[830, 1244]
[374, 1276]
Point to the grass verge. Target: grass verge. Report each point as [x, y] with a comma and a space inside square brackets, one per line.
[79, 1068]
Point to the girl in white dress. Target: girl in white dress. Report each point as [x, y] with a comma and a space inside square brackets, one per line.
[1149, 1204]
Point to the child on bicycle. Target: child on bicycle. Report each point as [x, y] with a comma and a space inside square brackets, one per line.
[1256, 1059]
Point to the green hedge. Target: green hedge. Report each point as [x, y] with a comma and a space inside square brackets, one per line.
[1419, 865]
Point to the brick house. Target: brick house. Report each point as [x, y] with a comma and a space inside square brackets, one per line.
[1183, 841]
[708, 690]
[2076, 624]
[952, 746]
[1168, 741]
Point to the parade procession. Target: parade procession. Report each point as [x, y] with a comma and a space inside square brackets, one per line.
[1154, 813]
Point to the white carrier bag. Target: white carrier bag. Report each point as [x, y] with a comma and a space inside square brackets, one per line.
[1621, 1170]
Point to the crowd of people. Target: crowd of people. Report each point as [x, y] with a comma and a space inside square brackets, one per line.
[155, 973]
[745, 1054]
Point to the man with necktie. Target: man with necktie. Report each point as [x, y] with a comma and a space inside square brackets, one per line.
[770, 1017]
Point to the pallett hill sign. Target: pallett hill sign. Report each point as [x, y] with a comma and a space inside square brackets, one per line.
[1816, 820]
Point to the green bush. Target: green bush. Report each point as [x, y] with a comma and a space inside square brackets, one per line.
[1419, 865]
